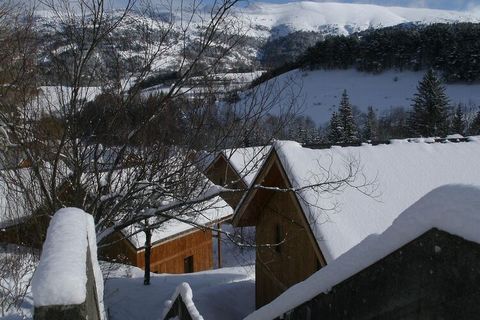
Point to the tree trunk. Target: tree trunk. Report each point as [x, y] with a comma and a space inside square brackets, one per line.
[148, 247]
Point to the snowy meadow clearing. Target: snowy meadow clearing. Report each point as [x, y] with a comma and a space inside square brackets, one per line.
[318, 92]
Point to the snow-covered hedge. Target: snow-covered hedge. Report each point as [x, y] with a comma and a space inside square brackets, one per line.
[61, 276]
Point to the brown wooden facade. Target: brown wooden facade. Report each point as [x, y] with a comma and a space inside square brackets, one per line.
[29, 231]
[188, 252]
[279, 219]
[221, 172]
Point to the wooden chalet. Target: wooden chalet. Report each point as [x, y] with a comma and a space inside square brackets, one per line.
[236, 169]
[177, 247]
[305, 219]
[418, 268]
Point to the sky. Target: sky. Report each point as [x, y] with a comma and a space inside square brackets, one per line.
[462, 5]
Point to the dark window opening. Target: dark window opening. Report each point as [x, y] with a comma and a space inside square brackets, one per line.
[188, 264]
[278, 238]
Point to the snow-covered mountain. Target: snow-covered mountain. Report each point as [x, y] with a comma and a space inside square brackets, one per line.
[260, 22]
[340, 18]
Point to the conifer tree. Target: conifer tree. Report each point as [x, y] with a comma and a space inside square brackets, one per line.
[335, 130]
[475, 125]
[349, 128]
[370, 131]
[458, 122]
[429, 115]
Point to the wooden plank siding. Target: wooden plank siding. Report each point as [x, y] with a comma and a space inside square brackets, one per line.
[169, 257]
[278, 217]
[222, 173]
[278, 268]
[118, 249]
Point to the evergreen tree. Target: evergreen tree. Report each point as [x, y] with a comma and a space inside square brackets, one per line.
[475, 125]
[370, 131]
[347, 122]
[335, 130]
[429, 116]
[458, 122]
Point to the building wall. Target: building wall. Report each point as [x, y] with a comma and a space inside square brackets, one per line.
[278, 268]
[433, 277]
[120, 250]
[222, 174]
[169, 257]
[29, 233]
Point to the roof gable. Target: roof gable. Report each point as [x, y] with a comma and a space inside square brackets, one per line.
[453, 208]
[402, 171]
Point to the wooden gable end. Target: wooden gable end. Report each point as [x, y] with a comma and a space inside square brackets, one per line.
[222, 173]
[272, 175]
[278, 218]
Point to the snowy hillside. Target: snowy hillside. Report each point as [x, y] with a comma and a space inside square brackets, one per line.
[258, 22]
[318, 92]
[342, 18]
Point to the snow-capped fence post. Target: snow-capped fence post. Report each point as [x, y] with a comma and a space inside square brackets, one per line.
[181, 305]
[68, 282]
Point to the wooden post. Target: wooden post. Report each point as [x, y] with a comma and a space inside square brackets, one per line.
[219, 246]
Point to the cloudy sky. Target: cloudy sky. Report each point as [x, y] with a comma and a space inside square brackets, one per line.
[437, 4]
[463, 5]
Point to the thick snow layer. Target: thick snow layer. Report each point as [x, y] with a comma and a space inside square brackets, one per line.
[61, 276]
[247, 161]
[17, 265]
[318, 92]
[186, 293]
[452, 208]
[393, 176]
[203, 214]
[222, 294]
[344, 18]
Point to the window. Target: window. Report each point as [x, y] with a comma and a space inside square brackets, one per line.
[278, 238]
[188, 264]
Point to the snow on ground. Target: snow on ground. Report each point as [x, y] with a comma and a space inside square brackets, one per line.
[319, 91]
[451, 208]
[227, 293]
[232, 254]
[17, 265]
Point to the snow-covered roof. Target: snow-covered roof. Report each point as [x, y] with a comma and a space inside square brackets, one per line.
[452, 208]
[247, 161]
[203, 214]
[396, 175]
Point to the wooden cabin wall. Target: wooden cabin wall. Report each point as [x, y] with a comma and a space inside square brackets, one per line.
[221, 173]
[169, 257]
[120, 250]
[293, 261]
[29, 233]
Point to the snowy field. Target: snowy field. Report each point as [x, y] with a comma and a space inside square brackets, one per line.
[227, 293]
[234, 255]
[318, 92]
